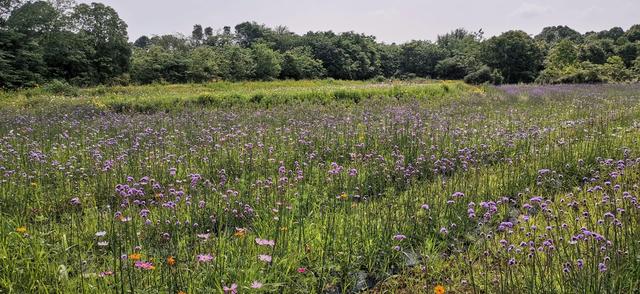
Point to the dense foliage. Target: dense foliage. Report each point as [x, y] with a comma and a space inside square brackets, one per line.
[42, 41]
[517, 189]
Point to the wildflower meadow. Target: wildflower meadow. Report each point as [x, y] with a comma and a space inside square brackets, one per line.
[355, 187]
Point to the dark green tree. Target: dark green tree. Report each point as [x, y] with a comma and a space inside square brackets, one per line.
[205, 64]
[633, 33]
[267, 62]
[248, 33]
[21, 63]
[628, 52]
[554, 34]
[613, 33]
[596, 51]
[197, 35]
[515, 54]
[35, 19]
[456, 67]
[239, 63]
[157, 64]
[461, 41]
[420, 58]
[101, 26]
[208, 32]
[299, 63]
[171, 42]
[67, 56]
[142, 42]
[335, 60]
[389, 59]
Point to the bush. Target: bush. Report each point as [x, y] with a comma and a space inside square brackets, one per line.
[299, 63]
[59, 87]
[121, 80]
[583, 73]
[456, 67]
[379, 79]
[615, 70]
[484, 75]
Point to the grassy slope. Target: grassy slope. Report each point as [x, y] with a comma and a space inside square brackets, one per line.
[151, 98]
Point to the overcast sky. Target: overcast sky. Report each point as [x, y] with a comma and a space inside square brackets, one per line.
[388, 20]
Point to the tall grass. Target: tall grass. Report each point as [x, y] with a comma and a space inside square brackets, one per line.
[152, 98]
[493, 191]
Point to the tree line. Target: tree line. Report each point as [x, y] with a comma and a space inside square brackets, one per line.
[87, 44]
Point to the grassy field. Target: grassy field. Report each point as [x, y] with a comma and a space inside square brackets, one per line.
[321, 187]
[152, 98]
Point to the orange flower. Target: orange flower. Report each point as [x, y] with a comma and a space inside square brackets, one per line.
[182, 292]
[240, 232]
[439, 289]
[171, 261]
[135, 256]
[21, 230]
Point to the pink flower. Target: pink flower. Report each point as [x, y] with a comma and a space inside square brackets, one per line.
[256, 285]
[264, 242]
[302, 270]
[204, 258]
[144, 265]
[265, 258]
[399, 237]
[233, 289]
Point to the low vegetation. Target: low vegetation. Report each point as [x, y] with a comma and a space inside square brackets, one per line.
[515, 189]
[152, 98]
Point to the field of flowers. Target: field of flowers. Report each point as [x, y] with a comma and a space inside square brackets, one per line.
[514, 189]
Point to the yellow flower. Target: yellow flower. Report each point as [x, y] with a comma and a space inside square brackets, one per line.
[240, 232]
[135, 256]
[21, 230]
[439, 289]
[344, 196]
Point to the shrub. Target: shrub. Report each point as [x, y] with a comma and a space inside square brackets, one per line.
[379, 79]
[583, 73]
[59, 87]
[456, 67]
[484, 75]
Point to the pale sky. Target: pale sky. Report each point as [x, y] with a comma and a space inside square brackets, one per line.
[388, 20]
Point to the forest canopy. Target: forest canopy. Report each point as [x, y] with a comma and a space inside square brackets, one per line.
[88, 44]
